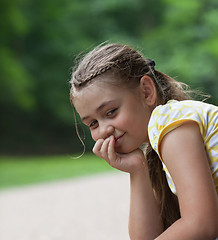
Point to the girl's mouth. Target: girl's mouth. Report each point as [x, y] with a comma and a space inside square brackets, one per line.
[118, 139]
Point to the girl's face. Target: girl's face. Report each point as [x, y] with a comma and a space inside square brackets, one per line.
[111, 110]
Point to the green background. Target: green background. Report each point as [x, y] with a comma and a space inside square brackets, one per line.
[39, 41]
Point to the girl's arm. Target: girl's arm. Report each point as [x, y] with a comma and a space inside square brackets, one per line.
[144, 218]
[184, 154]
[144, 221]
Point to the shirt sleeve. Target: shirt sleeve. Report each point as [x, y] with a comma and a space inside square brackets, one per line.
[166, 118]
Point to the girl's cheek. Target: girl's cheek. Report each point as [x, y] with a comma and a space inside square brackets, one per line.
[94, 135]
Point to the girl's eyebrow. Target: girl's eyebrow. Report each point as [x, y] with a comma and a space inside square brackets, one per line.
[104, 104]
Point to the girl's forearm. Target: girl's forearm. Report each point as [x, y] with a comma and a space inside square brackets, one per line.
[144, 218]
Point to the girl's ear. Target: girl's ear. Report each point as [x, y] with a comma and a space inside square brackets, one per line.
[148, 90]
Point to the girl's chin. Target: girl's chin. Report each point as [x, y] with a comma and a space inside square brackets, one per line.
[125, 151]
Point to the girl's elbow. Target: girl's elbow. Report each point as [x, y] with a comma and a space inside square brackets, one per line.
[212, 225]
[205, 228]
[213, 231]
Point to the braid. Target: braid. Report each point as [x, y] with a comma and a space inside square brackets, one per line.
[102, 70]
[94, 74]
[117, 57]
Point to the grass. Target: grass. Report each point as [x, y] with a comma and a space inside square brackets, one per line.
[16, 171]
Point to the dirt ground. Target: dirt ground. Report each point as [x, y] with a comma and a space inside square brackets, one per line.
[88, 208]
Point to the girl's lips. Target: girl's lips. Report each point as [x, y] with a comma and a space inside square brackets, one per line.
[117, 139]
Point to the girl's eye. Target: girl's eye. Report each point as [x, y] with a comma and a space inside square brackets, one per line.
[93, 124]
[111, 112]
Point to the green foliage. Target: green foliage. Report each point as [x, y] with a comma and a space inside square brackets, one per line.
[185, 43]
[16, 83]
[39, 41]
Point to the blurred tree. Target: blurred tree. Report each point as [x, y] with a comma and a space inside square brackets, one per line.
[35, 61]
[16, 84]
[186, 43]
[40, 39]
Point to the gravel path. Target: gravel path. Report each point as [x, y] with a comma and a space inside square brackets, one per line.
[90, 208]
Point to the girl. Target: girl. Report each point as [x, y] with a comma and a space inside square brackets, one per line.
[128, 106]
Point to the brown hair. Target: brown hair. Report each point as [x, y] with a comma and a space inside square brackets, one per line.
[127, 66]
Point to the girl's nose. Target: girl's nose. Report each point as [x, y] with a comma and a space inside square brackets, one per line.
[107, 131]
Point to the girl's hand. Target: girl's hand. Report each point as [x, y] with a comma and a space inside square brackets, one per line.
[129, 162]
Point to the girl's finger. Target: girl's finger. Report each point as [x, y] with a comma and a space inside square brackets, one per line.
[97, 147]
[104, 149]
[111, 150]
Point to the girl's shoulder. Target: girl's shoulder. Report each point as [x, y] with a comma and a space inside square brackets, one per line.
[175, 109]
[173, 114]
[185, 106]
